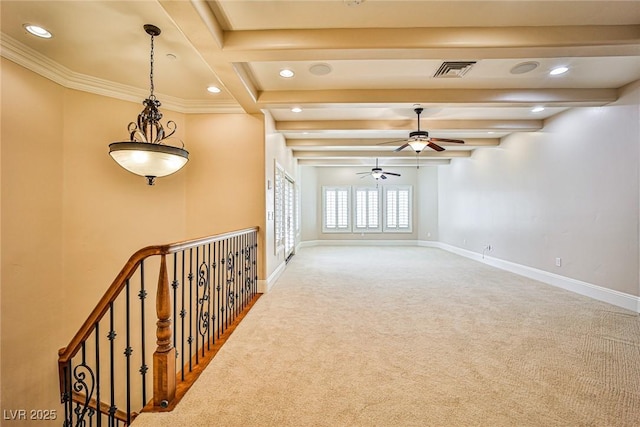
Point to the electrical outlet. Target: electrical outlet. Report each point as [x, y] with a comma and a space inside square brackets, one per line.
[558, 262]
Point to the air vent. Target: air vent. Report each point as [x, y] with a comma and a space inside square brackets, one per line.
[453, 69]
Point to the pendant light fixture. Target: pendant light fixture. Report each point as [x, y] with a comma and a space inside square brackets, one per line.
[146, 153]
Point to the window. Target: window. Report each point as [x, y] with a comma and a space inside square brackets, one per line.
[367, 209]
[278, 208]
[289, 220]
[397, 208]
[335, 207]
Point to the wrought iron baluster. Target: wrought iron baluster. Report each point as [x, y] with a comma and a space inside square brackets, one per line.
[214, 281]
[66, 394]
[243, 266]
[144, 368]
[230, 271]
[255, 262]
[203, 301]
[209, 315]
[190, 340]
[84, 382]
[219, 266]
[243, 257]
[240, 277]
[198, 304]
[97, 359]
[246, 283]
[183, 313]
[174, 286]
[235, 277]
[234, 283]
[128, 351]
[239, 274]
[112, 336]
[225, 294]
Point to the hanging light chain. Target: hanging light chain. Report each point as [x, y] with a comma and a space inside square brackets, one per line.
[151, 96]
[148, 127]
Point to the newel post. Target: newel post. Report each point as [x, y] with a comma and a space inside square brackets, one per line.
[164, 358]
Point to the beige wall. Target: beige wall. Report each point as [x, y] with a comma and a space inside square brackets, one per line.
[225, 173]
[32, 256]
[71, 217]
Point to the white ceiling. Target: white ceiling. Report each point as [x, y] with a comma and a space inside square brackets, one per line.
[382, 55]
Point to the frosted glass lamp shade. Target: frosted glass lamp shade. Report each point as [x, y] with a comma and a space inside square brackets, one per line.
[417, 145]
[147, 159]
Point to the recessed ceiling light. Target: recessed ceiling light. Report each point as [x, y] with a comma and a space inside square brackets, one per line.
[558, 70]
[213, 89]
[537, 109]
[296, 110]
[287, 73]
[524, 67]
[38, 31]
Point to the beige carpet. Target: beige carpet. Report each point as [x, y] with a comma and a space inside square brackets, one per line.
[407, 336]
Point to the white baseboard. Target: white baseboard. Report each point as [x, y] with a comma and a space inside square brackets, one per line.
[265, 286]
[310, 243]
[620, 299]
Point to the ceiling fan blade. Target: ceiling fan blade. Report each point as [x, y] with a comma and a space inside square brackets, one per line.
[455, 141]
[383, 177]
[364, 176]
[391, 142]
[363, 173]
[392, 173]
[435, 146]
[402, 147]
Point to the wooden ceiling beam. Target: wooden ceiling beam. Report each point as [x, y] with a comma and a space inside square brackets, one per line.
[372, 154]
[409, 125]
[450, 97]
[431, 43]
[367, 142]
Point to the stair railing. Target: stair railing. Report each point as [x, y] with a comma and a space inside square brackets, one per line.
[104, 369]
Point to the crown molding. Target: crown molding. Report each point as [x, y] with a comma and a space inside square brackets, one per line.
[32, 60]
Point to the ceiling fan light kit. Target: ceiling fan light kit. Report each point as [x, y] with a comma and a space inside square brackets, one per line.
[378, 173]
[146, 154]
[419, 139]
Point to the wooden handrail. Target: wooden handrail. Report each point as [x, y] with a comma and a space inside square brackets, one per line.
[177, 247]
[67, 353]
[164, 357]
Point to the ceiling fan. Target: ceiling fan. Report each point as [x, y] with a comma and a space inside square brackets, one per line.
[420, 139]
[378, 173]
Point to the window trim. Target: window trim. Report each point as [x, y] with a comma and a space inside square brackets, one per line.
[367, 229]
[397, 188]
[346, 229]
